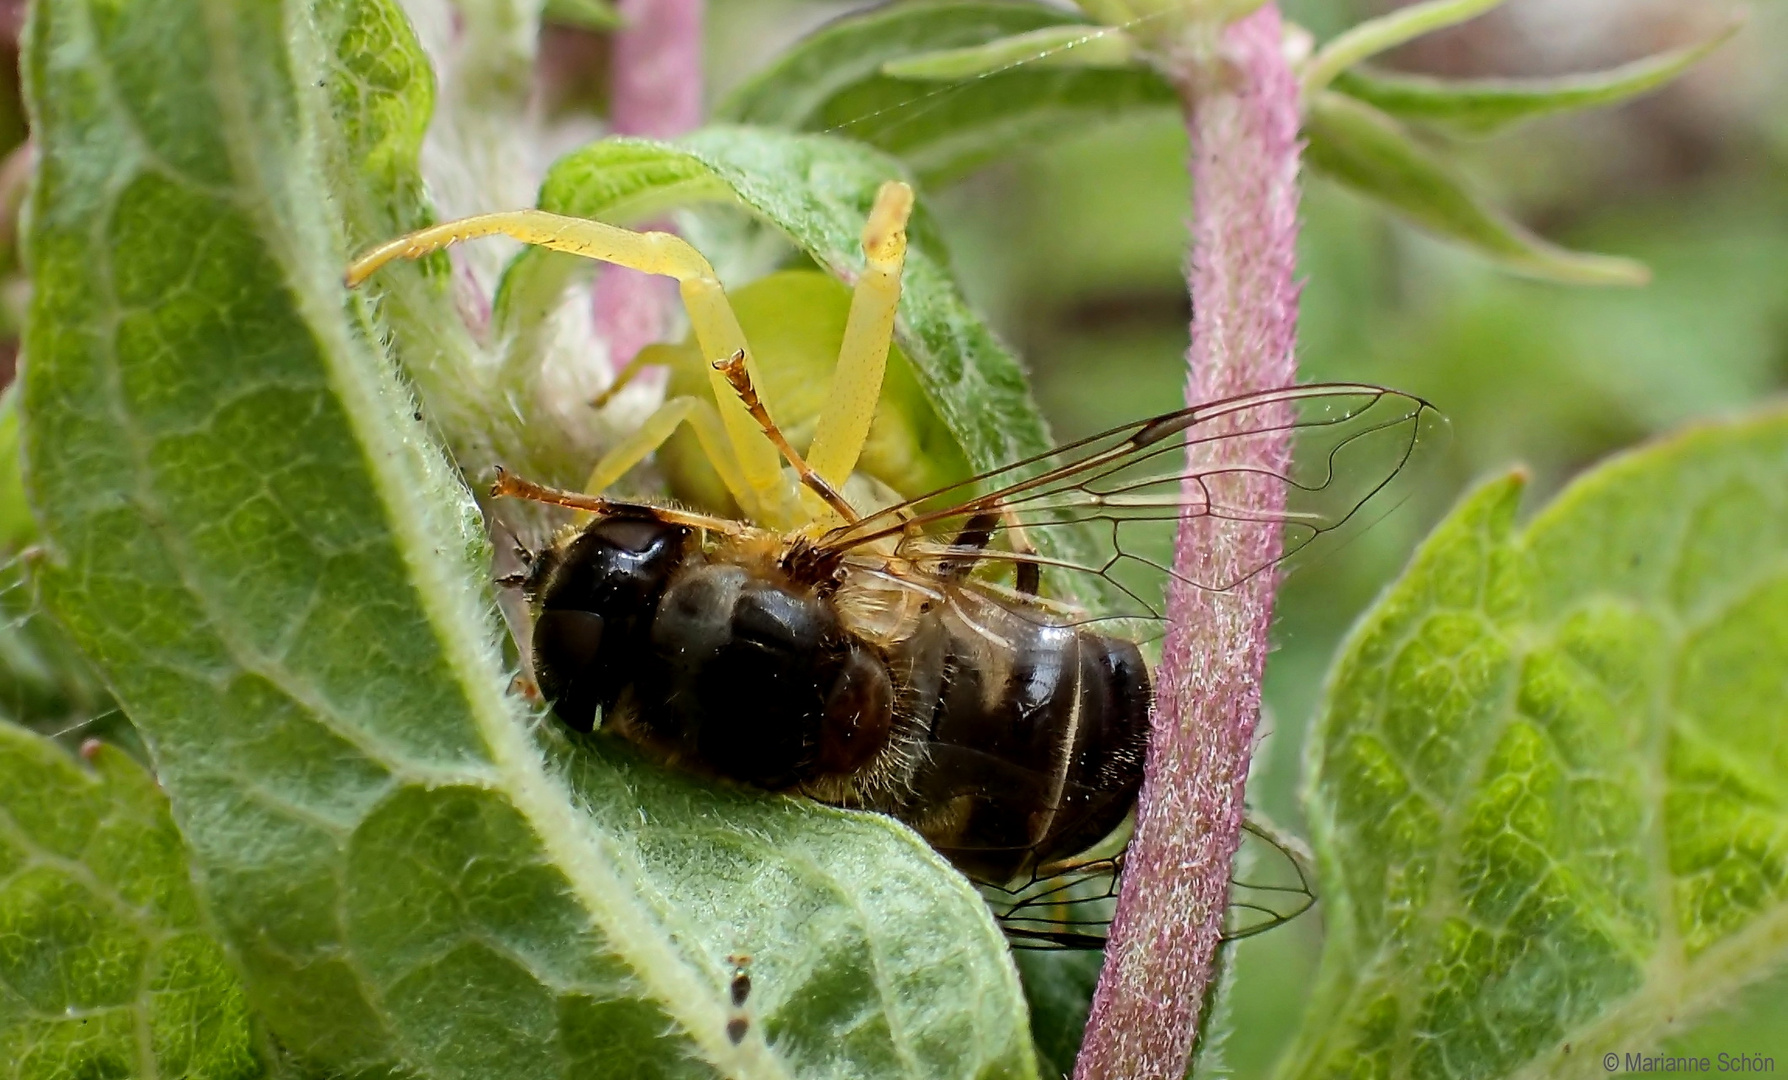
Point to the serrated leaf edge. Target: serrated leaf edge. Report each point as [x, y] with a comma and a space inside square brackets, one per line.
[1488, 512]
[1754, 953]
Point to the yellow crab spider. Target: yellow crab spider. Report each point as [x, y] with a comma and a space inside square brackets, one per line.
[732, 428]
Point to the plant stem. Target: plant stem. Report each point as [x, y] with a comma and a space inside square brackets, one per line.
[1241, 105]
[655, 90]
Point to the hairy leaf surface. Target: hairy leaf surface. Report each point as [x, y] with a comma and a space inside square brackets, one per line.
[107, 966]
[255, 538]
[1548, 783]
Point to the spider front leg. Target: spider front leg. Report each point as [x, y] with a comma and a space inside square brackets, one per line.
[765, 492]
[863, 354]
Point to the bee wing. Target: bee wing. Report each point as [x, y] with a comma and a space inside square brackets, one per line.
[1108, 505]
[1272, 884]
[1071, 908]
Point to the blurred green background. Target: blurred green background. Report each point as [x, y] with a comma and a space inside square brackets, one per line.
[1074, 252]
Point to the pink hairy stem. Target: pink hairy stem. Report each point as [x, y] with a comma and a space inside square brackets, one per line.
[655, 90]
[1241, 107]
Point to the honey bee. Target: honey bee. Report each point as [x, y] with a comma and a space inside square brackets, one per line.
[910, 658]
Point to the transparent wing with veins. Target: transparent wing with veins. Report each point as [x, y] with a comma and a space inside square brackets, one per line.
[1071, 907]
[1108, 505]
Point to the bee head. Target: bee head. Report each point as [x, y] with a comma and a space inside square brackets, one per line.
[594, 591]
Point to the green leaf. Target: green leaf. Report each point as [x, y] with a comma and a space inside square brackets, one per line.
[17, 527]
[381, 95]
[1387, 31]
[107, 967]
[259, 544]
[833, 81]
[1547, 787]
[1368, 152]
[1487, 106]
[1059, 988]
[44, 683]
[1068, 45]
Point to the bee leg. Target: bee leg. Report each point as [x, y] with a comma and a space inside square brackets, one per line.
[972, 537]
[699, 415]
[975, 535]
[716, 327]
[1029, 574]
[863, 356]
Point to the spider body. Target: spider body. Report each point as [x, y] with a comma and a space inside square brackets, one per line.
[795, 321]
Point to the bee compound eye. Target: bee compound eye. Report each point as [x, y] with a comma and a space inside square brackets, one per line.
[859, 714]
[566, 645]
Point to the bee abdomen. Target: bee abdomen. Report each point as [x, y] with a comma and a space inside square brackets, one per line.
[1036, 751]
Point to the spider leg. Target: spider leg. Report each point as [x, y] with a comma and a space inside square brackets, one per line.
[863, 355]
[630, 371]
[660, 426]
[716, 327]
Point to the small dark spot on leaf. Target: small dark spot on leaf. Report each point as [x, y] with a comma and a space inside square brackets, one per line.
[736, 1028]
